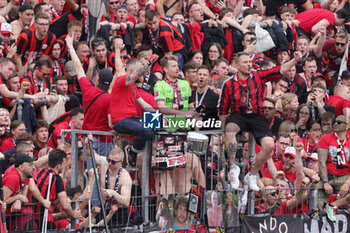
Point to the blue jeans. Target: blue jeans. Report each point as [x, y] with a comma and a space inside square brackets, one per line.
[102, 148]
[133, 127]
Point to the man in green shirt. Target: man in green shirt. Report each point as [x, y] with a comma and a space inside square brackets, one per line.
[173, 94]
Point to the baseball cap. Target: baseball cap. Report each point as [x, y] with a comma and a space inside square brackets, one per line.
[5, 28]
[25, 7]
[70, 69]
[123, 6]
[22, 158]
[290, 151]
[316, 76]
[105, 78]
[313, 156]
[345, 74]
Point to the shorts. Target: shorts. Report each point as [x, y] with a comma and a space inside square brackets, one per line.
[255, 123]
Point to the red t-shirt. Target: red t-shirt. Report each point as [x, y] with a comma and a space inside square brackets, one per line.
[56, 134]
[339, 103]
[123, 100]
[298, 210]
[148, 98]
[329, 142]
[12, 180]
[307, 147]
[311, 17]
[279, 166]
[7, 144]
[96, 116]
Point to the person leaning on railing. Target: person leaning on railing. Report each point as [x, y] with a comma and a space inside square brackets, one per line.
[333, 161]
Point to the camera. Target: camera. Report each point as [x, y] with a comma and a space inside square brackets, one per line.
[200, 110]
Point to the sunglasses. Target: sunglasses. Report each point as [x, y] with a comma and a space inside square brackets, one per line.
[340, 44]
[293, 130]
[99, 42]
[339, 122]
[268, 108]
[112, 3]
[273, 194]
[113, 162]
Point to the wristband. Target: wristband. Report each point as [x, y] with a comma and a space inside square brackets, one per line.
[326, 182]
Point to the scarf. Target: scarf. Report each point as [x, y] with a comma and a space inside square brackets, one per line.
[215, 10]
[177, 100]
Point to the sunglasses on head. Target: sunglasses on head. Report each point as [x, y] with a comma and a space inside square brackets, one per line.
[113, 162]
[99, 42]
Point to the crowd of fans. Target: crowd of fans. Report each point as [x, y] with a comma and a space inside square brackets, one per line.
[276, 69]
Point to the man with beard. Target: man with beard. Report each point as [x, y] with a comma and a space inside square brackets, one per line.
[205, 98]
[57, 190]
[180, 212]
[334, 49]
[26, 15]
[332, 150]
[269, 110]
[15, 180]
[102, 58]
[286, 165]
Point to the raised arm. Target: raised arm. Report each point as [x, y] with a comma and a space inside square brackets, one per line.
[322, 33]
[77, 65]
[289, 64]
[119, 70]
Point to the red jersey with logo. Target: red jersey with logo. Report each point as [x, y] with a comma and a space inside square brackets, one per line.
[335, 165]
[27, 43]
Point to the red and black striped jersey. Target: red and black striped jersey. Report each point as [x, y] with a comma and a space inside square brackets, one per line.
[169, 38]
[27, 43]
[110, 62]
[42, 182]
[238, 96]
[58, 69]
[35, 87]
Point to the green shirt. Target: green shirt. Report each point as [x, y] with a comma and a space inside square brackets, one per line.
[164, 91]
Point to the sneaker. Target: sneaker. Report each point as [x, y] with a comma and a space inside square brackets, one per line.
[330, 212]
[252, 181]
[234, 176]
[131, 157]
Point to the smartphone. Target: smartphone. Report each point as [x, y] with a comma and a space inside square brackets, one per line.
[53, 87]
[252, 40]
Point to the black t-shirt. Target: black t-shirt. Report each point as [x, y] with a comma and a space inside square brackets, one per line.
[209, 102]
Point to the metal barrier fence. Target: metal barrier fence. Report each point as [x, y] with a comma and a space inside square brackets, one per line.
[202, 173]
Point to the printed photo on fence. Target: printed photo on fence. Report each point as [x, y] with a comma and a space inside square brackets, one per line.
[164, 217]
[181, 213]
[230, 209]
[214, 208]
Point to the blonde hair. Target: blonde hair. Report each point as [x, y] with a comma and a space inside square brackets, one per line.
[286, 100]
[286, 127]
